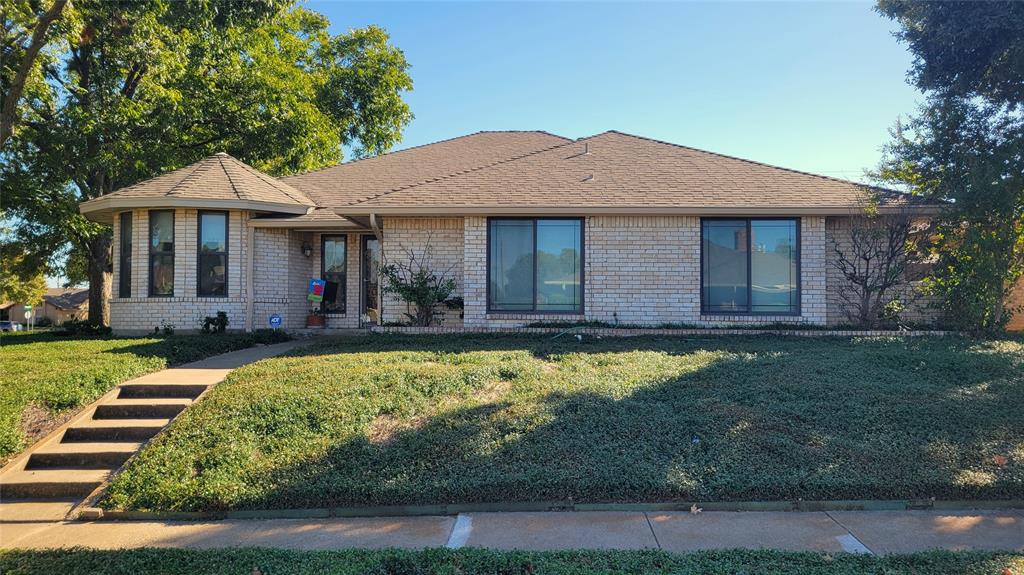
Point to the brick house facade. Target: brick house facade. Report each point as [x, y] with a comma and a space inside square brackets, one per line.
[625, 230]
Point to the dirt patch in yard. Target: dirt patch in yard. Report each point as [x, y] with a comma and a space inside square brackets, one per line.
[36, 421]
[492, 391]
[384, 428]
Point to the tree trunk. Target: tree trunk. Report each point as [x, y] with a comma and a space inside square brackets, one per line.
[99, 280]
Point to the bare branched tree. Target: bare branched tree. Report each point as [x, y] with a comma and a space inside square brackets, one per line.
[415, 282]
[878, 256]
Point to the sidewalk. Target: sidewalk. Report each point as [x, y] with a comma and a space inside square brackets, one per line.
[878, 532]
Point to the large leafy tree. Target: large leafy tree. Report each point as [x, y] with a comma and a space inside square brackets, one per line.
[134, 88]
[966, 145]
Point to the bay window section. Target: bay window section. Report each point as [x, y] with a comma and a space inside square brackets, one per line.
[535, 265]
[213, 255]
[750, 266]
[161, 253]
[333, 260]
[124, 271]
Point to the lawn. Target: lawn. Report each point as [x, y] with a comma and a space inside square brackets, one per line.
[481, 562]
[45, 377]
[384, 420]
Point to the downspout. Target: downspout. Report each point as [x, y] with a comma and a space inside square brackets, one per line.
[377, 232]
[250, 257]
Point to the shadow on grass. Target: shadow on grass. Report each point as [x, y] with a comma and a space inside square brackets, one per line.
[766, 419]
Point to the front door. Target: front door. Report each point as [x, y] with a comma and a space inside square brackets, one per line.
[370, 252]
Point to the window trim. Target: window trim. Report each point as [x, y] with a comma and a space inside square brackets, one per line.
[125, 272]
[226, 252]
[149, 246]
[323, 272]
[583, 267]
[750, 299]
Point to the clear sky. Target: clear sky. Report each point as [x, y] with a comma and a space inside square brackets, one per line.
[812, 86]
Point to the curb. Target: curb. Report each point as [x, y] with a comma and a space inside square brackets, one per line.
[98, 514]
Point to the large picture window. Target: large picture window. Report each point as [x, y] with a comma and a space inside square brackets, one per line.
[161, 253]
[124, 270]
[333, 263]
[213, 254]
[750, 266]
[535, 265]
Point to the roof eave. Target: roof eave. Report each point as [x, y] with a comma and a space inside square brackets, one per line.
[102, 209]
[361, 210]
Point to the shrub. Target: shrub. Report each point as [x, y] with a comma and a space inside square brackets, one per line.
[215, 324]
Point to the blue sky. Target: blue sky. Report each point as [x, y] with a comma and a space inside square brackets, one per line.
[811, 86]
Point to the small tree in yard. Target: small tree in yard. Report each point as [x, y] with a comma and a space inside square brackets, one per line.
[415, 283]
[877, 259]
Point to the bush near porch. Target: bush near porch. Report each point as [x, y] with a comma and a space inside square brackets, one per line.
[384, 420]
[45, 376]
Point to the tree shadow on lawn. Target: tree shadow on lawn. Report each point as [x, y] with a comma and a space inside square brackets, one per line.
[774, 420]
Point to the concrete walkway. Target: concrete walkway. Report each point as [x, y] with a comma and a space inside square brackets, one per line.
[77, 458]
[877, 532]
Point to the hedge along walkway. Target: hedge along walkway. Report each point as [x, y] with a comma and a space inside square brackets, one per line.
[412, 420]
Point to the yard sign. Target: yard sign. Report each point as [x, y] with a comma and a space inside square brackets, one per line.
[316, 290]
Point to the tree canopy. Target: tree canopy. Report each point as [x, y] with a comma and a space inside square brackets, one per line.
[127, 90]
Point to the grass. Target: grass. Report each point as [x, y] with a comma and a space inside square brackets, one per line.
[45, 377]
[480, 562]
[386, 420]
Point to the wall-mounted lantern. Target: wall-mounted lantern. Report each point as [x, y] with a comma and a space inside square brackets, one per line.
[307, 249]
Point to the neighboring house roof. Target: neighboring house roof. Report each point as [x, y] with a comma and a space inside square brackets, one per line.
[350, 182]
[215, 181]
[67, 298]
[615, 172]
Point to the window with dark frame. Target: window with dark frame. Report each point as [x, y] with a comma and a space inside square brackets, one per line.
[161, 253]
[535, 265]
[212, 276]
[124, 274]
[750, 266]
[333, 264]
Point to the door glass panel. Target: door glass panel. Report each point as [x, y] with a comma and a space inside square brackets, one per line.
[333, 272]
[725, 265]
[511, 261]
[558, 265]
[773, 266]
[371, 281]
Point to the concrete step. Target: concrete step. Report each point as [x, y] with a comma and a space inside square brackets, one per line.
[103, 455]
[49, 483]
[167, 390]
[141, 408]
[119, 430]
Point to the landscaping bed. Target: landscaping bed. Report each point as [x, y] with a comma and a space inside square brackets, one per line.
[407, 420]
[481, 562]
[46, 375]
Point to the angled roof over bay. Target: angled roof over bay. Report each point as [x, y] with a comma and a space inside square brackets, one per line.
[217, 181]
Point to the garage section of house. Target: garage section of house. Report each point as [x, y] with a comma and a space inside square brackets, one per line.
[531, 226]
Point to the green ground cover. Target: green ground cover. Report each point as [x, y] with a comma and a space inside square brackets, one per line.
[45, 376]
[383, 420]
[481, 562]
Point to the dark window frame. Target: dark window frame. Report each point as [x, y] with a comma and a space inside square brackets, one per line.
[750, 299]
[200, 252]
[323, 272]
[124, 262]
[149, 245]
[534, 310]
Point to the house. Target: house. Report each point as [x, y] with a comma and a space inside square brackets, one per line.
[63, 304]
[532, 227]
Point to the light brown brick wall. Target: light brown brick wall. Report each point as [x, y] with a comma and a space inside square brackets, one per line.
[1015, 304]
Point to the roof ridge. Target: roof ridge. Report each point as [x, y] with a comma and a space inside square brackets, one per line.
[410, 148]
[466, 171]
[739, 159]
[234, 187]
[187, 178]
[272, 181]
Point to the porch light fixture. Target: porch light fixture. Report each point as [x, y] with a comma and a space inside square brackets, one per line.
[307, 249]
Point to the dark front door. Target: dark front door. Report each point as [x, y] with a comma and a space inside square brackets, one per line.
[371, 311]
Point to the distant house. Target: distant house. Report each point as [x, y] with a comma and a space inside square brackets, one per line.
[532, 226]
[62, 304]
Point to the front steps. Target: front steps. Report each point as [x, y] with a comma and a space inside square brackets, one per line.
[77, 461]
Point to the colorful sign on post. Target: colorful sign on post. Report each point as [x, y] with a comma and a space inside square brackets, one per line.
[316, 290]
